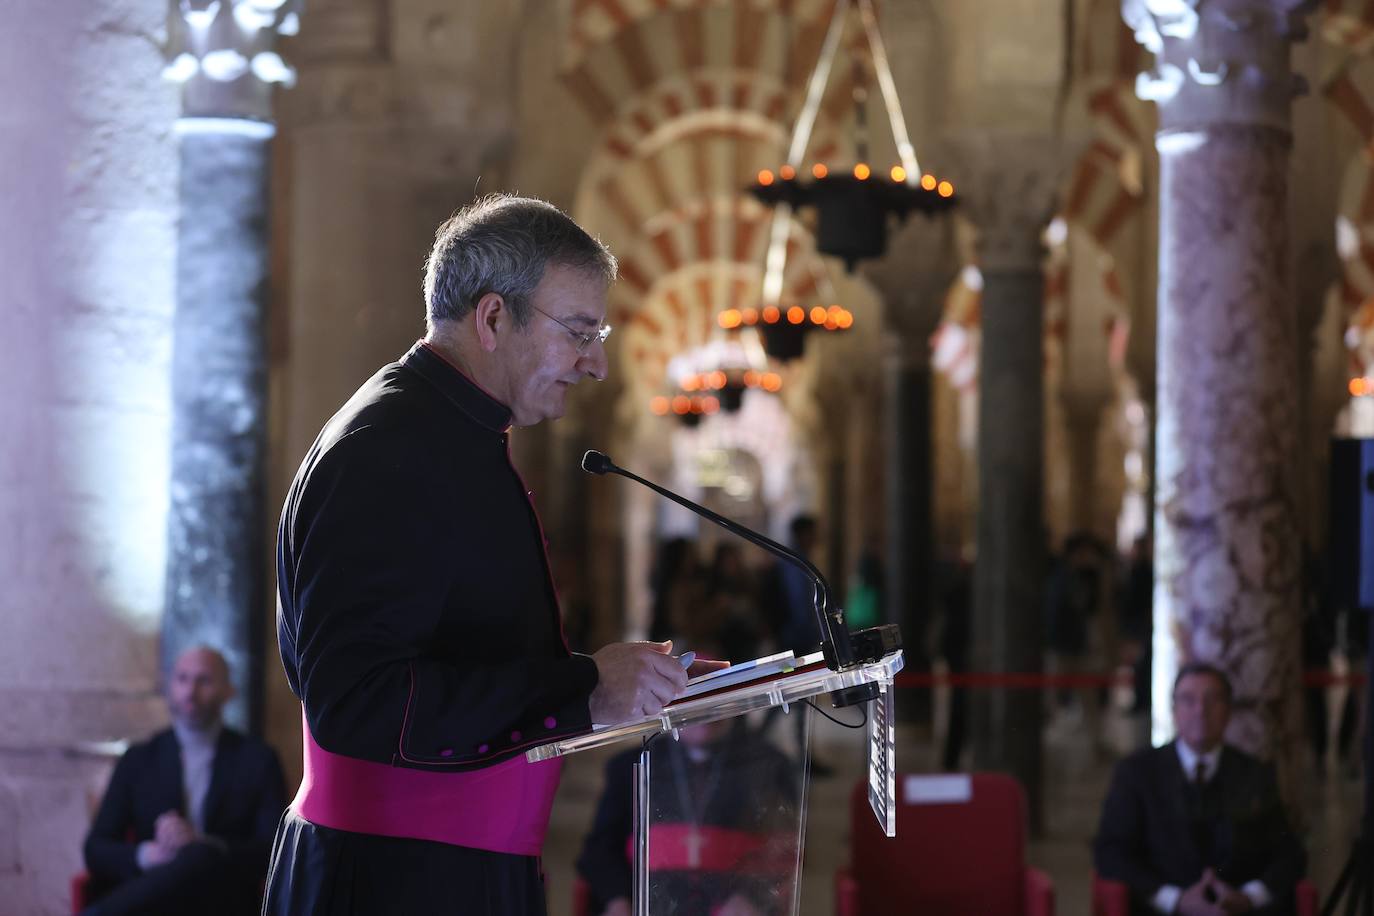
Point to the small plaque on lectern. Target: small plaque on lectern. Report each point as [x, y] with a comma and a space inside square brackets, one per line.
[882, 760]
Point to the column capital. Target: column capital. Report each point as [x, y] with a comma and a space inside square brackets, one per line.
[1219, 61]
[223, 53]
[1007, 188]
[921, 262]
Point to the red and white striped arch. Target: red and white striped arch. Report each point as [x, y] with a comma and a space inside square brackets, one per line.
[691, 100]
[691, 263]
[597, 24]
[1351, 92]
[1104, 190]
[704, 157]
[667, 63]
[1348, 24]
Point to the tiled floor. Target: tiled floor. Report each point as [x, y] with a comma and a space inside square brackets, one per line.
[1076, 781]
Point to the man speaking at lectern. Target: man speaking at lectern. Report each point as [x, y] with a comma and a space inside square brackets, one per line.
[418, 620]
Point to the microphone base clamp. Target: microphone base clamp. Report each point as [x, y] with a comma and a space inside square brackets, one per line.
[872, 643]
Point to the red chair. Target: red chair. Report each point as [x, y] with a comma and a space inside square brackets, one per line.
[1111, 898]
[960, 850]
[81, 891]
[721, 850]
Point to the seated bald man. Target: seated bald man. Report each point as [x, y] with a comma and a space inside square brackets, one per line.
[187, 821]
[1196, 826]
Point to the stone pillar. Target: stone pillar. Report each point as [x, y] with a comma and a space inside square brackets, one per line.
[87, 238]
[216, 594]
[1082, 425]
[1227, 546]
[1008, 196]
[865, 502]
[918, 269]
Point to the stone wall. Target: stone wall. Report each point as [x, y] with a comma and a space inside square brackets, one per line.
[86, 286]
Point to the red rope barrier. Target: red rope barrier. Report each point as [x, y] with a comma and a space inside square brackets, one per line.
[1315, 677]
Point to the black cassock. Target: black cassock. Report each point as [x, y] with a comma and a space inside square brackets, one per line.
[419, 626]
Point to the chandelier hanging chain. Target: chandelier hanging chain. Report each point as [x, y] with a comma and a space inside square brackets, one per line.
[905, 150]
[815, 87]
[775, 265]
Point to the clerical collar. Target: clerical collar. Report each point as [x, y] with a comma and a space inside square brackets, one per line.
[454, 384]
[1189, 758]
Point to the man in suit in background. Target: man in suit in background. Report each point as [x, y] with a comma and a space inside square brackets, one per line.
[1196, 827]
[187, 821]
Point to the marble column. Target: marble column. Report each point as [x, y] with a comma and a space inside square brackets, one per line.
[1227, 545]
[223, 57]
[1009, 199]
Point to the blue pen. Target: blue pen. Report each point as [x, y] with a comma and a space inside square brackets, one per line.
[687, 658]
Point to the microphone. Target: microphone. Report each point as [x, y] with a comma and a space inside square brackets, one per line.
[835, 636]
[593, 462]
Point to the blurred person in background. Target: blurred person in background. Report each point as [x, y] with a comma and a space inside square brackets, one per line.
[1196, 827]
[187, 821]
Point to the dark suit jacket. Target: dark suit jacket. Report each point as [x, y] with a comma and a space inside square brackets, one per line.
[246, 797]
[1147, 836]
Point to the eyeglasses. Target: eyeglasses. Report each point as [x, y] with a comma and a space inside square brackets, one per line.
[584, 338]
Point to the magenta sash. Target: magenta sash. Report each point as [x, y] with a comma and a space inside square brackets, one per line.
[502, 808]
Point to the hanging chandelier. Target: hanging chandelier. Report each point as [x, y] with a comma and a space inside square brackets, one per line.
[853, 206]
[713, 379]
[782, 331]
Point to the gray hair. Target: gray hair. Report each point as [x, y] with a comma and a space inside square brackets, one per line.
[502, 244]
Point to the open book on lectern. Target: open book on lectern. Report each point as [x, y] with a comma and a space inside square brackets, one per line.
[747, 672]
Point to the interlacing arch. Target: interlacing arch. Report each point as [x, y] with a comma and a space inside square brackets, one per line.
[1105, 189]
[702, 159]
[690, 261]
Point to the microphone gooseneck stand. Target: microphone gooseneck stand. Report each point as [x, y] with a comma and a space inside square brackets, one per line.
[841, 648]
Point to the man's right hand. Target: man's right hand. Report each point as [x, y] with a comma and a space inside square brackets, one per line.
[634, 679]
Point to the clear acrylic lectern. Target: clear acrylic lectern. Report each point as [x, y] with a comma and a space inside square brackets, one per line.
[719, 808]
